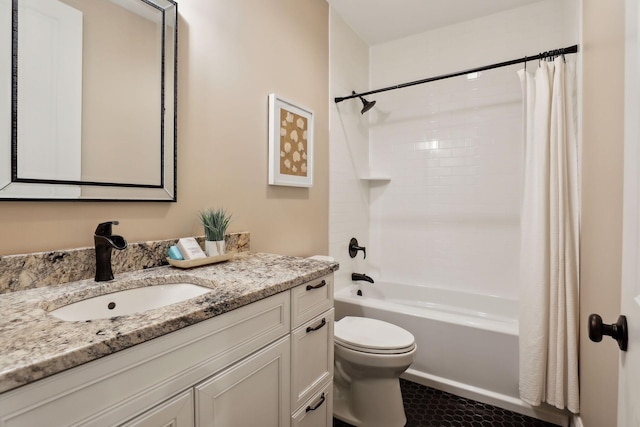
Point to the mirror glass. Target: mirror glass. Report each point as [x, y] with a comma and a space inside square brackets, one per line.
[89, 109]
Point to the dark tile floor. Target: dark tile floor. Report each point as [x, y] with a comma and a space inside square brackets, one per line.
[427, 407]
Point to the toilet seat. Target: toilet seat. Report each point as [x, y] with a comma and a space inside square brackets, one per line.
[372, 336]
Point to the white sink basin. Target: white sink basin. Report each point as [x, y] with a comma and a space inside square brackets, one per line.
[127, 302]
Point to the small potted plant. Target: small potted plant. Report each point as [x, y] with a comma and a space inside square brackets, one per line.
[215, 223]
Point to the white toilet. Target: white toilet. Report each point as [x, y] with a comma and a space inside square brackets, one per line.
[370, 355]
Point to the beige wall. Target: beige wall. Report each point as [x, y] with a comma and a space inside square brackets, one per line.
[601, 238]
[119, 64]
[231, 56]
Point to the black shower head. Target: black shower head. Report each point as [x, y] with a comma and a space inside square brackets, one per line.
[366, 105]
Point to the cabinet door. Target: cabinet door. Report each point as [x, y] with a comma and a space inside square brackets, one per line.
[253, 392]
[311, 357]
[176, 412]
[317, 412]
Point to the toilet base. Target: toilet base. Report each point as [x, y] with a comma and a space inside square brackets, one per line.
[376, 403]
[341, 412]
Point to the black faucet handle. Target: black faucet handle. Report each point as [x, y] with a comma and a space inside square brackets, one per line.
[354, 248]
[104, 228]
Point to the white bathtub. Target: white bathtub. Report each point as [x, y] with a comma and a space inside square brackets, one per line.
[467, 343]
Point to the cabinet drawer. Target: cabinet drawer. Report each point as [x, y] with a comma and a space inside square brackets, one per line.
[312, 358]
[311, 299]
[317, 411]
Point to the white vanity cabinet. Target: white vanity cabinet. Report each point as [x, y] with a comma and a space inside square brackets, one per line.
[122, 386]
[267, 364]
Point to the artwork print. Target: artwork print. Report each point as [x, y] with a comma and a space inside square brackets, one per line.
[293, 143]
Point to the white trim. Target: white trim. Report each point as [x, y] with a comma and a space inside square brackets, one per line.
[575, 421]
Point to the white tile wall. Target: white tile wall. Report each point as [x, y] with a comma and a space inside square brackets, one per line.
[349, 149]
[450, 215]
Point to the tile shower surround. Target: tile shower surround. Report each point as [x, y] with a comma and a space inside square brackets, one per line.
[36, 270]
[451, 149]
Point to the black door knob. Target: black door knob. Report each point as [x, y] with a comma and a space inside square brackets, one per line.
[618, 331]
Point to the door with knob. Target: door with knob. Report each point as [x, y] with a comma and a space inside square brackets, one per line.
[629, 372]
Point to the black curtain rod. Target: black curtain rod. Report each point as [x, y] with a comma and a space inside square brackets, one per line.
[557, 52]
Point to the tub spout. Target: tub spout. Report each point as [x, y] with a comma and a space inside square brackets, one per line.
[360, 276]
[105, 242]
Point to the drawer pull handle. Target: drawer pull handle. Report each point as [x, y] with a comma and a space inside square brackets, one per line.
[322, 323]
[318, 286]
[317, 405]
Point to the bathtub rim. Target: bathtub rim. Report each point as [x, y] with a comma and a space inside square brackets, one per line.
[509, 327]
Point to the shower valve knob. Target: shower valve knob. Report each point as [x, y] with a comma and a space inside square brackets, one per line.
[618, 331]
[354, 248]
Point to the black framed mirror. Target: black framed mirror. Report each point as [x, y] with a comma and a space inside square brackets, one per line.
[90, 109]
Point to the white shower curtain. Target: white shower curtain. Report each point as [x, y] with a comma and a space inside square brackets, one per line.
[549, 251]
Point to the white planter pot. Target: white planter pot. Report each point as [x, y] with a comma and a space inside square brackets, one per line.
[212, 248]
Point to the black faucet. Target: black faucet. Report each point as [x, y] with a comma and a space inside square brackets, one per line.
[360, 276]
[105, 242]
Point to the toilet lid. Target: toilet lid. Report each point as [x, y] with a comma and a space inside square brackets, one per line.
[372, 335]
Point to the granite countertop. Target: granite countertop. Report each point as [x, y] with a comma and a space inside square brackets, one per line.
[36, 345]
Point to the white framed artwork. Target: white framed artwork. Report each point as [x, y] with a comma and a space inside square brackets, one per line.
[290, 143]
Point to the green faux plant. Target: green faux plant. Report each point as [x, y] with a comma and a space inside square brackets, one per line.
[215, 223]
